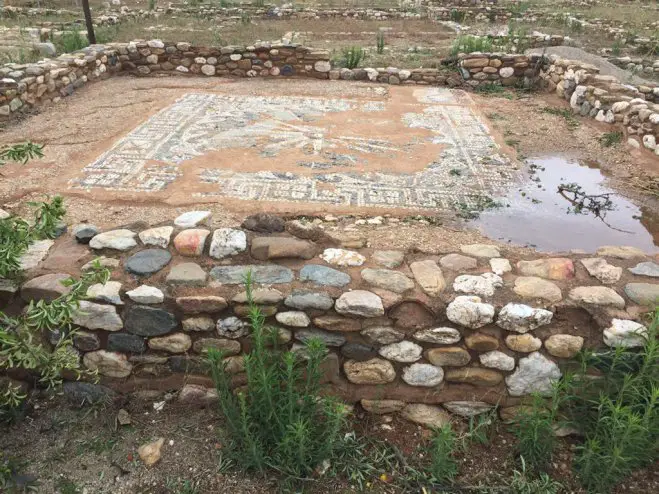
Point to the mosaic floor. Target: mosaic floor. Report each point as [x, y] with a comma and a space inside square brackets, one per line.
[429, 152]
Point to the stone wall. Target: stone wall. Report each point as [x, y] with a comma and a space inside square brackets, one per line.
[606, 99]
[469, 329]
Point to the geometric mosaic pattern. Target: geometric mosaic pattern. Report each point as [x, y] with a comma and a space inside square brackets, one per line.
[334, 167]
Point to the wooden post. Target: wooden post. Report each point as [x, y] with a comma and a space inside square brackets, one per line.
[88, 21]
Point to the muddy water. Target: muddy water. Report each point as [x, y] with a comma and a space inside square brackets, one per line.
[540, 217]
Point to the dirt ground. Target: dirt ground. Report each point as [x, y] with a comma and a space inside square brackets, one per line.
[78, 128]
[85, 450]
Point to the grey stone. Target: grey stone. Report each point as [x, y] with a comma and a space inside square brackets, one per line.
[480, 250]
[425, 375]
[386, 279]
[125, 342]
[360, 303]
[264, 223]
[143, 320]
[84, 232]
[358, 352]
[384, 335]
[646, 269]
[323, 275]
[232, 327]
[86, 341]
[643, 293]
[262, 274]
[327, 337]
[97, 316]
[229, 347]
[200, 323]
[147, 262]
[602, 270]
[497, 360]
[80, 393]
[467, 408]
[304, 299]
[483, 285]
[389, 258]
[458, 262]
[187, 273]
[267, 296]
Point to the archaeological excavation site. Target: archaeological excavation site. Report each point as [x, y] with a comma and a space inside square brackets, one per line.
[329, 246]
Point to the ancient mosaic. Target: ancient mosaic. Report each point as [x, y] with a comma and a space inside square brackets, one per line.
[334, 168]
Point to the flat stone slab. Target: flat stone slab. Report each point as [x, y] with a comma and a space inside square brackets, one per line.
[265, 274]
[324, 275]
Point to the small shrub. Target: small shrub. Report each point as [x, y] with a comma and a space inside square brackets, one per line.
[523, 483]
[443, 466]
[457, 15]
[107, 34]
[380, 42]
[618, 413]
[616, 48]
[609, 139]
[535, 434]
[353, 56]
[71, 41]
[152, 4]
[470, 44]
[279, 421]
[245, 18]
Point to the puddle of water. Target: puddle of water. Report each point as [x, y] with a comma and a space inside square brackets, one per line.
[548, 226]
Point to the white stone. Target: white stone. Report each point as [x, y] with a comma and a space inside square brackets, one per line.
[108, 292]
[109, 364]
[208, 70]
[341, 257]
[190, 219]
[36, 252]
[145, 294]
[602, 270]
[114, 239]
[235, 57]
[442, 336]
[232, 327]
[322, 66]
[534, 374]
[403, 351]
[483, 285]
[294, 318]
[633, 143]
[506, 72]
[468, 311]
[649, 141]
[155, 43]
[481, 250]
[497, 360]
[522, 318]
[620, 106]
[423, 375]
[158, 236]
[625, 333]
[227, 242]
[500, 266]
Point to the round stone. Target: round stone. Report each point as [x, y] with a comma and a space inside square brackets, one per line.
[425, 375]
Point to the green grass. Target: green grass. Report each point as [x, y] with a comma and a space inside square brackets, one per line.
[565, 113]
[609, 139]
[352, 57]
[469, 44]
[70, 41]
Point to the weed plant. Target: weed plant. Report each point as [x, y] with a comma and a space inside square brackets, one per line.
[609, 139]
[380, 42]
[278, 421]
[71, 41]
[470, 44]
[353, 56]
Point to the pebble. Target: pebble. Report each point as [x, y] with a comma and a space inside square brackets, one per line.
[115, 239]
[145, 294]
[191, 219]
[150, 453]
[157, 237]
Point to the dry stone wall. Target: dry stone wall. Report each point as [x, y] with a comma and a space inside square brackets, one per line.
[467, 330]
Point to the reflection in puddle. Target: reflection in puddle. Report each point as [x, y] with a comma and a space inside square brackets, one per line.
[543, 218]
